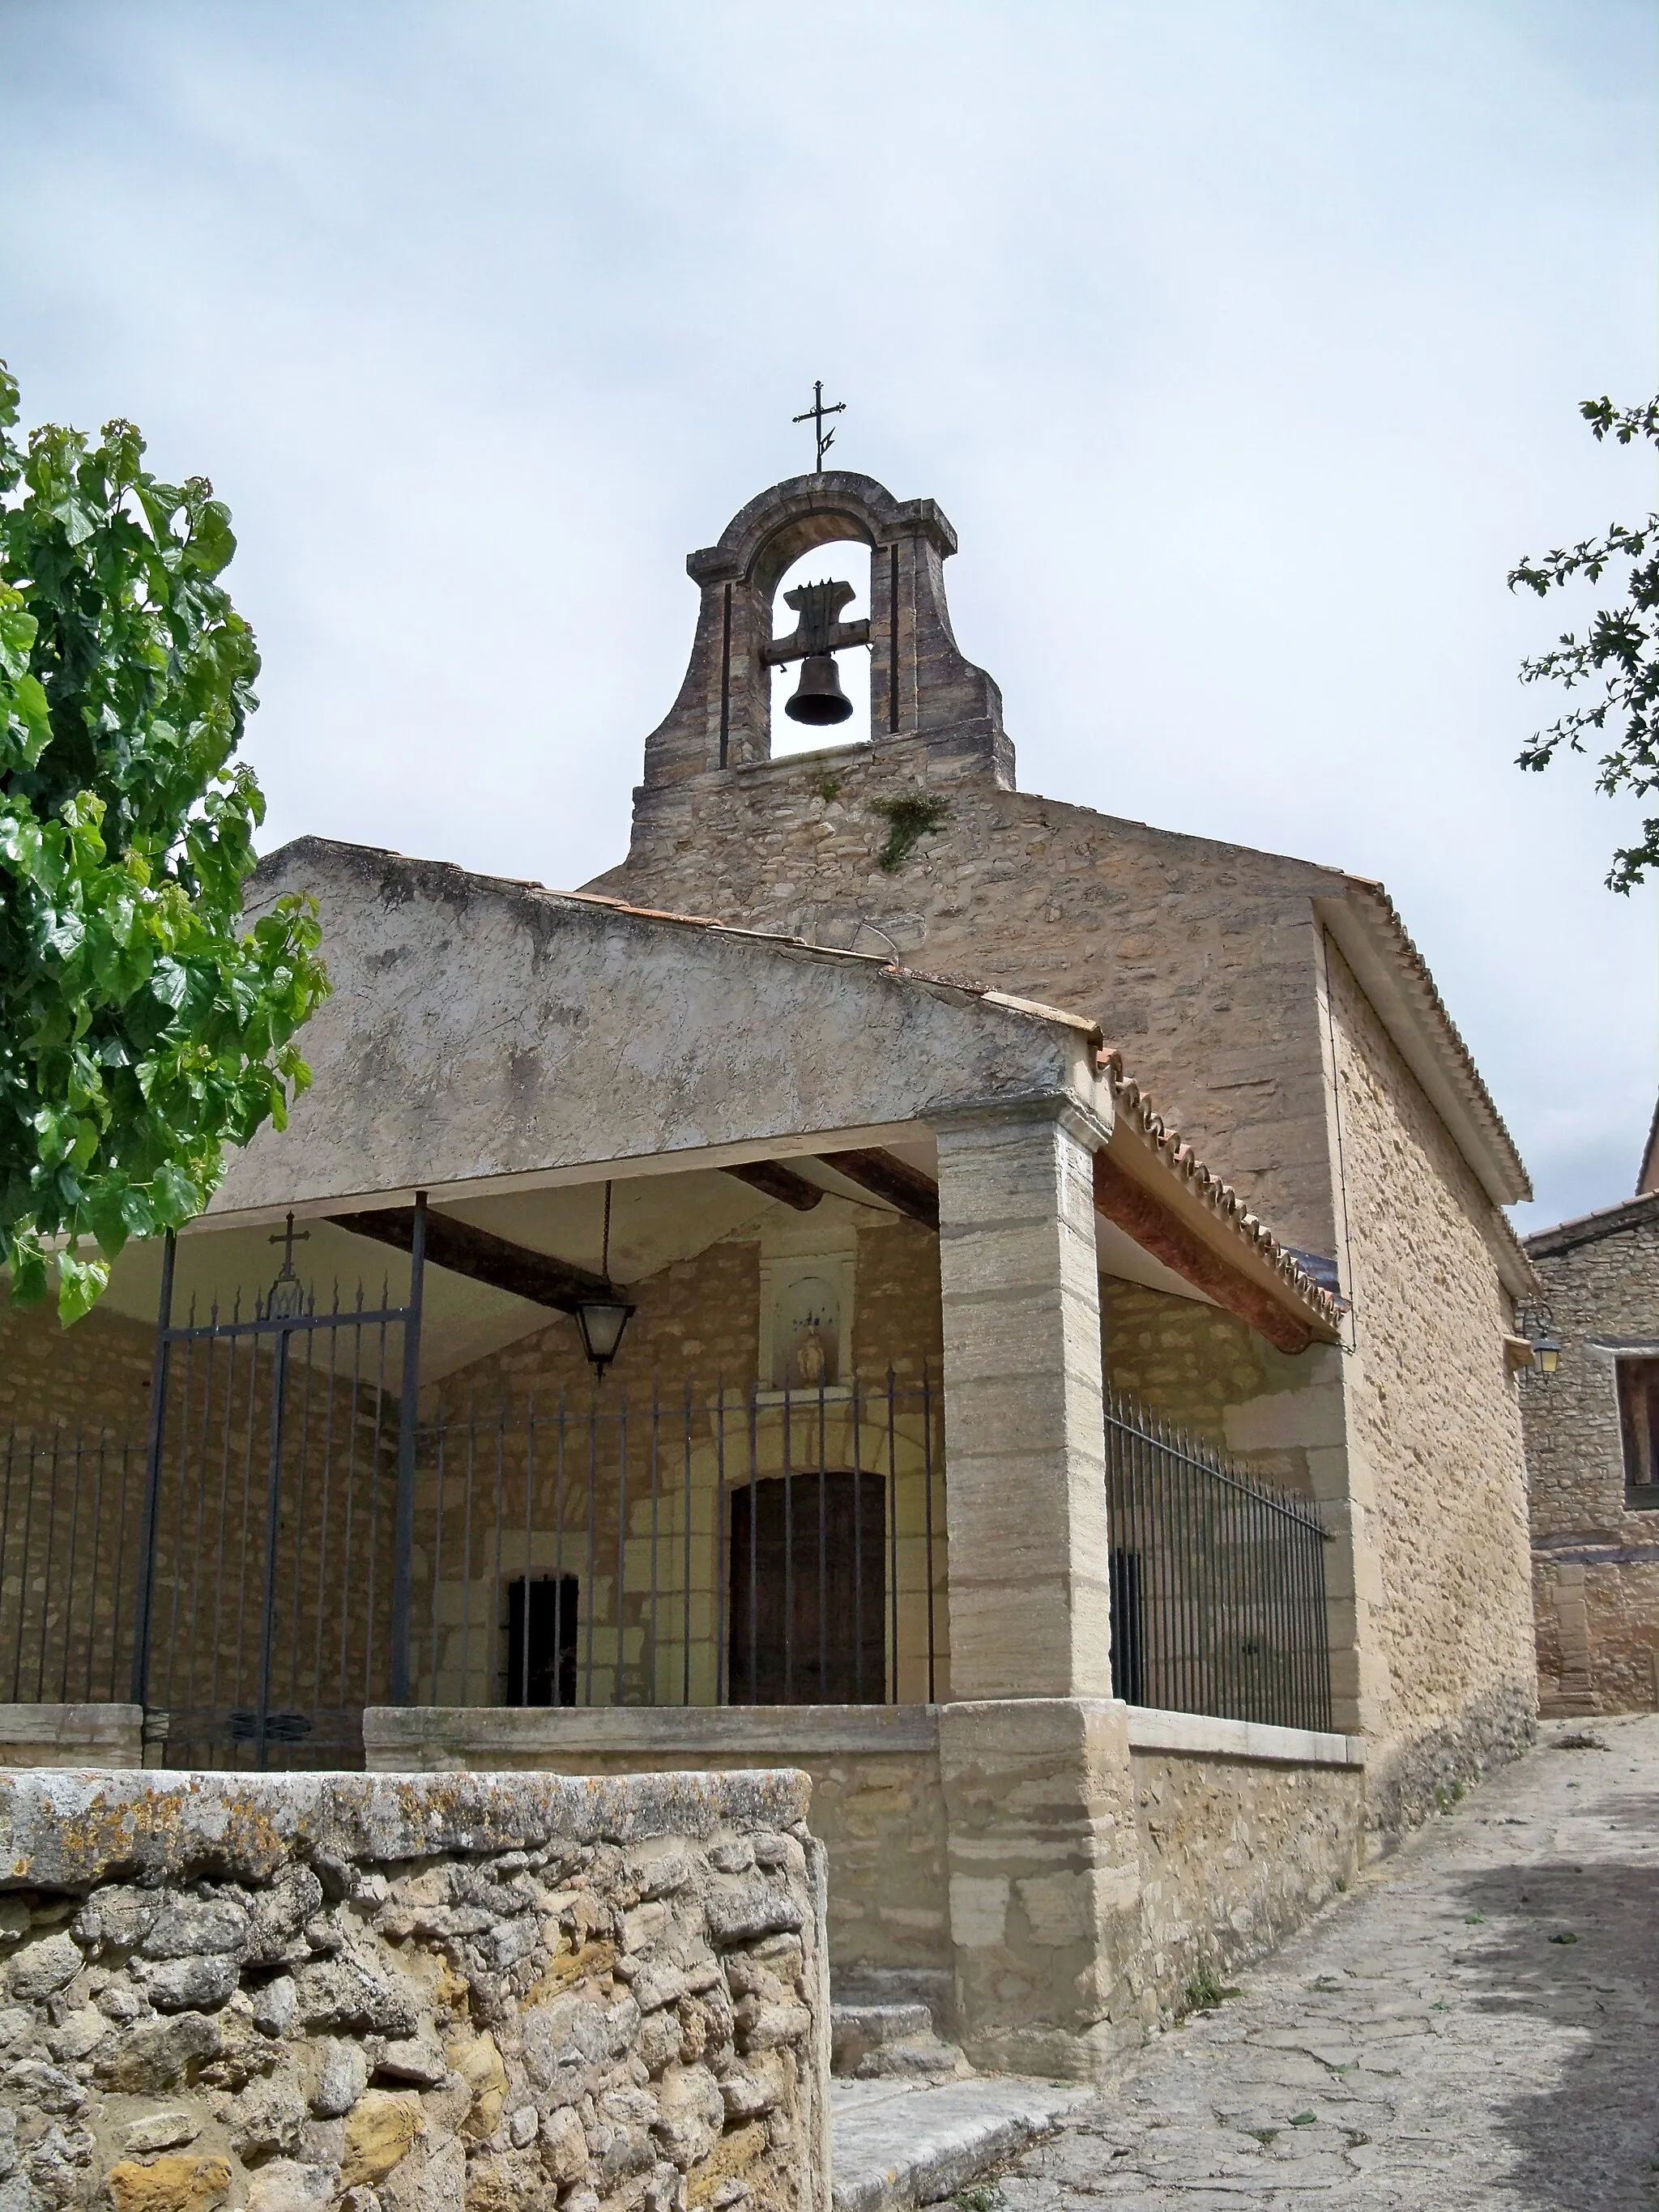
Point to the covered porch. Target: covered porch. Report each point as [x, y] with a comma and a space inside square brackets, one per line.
[851, 1491]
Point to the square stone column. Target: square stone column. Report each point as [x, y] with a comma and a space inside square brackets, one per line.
[1025, 1439]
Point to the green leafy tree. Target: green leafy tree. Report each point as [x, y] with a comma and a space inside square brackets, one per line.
[1618, 656]
[142, 1028]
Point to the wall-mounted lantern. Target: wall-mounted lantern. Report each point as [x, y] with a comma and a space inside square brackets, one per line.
[1537, 1325]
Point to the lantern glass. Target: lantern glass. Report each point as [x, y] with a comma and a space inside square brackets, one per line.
[602, 1321]
[1547, 1353]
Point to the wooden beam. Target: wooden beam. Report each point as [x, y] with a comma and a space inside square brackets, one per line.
[465, 1250]
[901, 1185]
[1137, 1211]
[778, 1182]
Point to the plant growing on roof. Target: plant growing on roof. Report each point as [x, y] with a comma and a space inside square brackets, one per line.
[1618, 653]
[142, 1028]
[910, 816]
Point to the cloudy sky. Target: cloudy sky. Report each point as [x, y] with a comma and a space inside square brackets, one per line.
[1241, 341]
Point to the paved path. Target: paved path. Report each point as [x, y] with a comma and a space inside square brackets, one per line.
[1476, 2025]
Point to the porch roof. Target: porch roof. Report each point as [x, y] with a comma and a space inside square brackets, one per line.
[487, 1034]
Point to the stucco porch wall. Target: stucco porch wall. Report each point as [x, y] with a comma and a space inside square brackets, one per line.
[1241, 1831]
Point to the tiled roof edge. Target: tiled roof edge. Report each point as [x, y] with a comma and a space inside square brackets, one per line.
[1585, 1228]
[1176, 1156]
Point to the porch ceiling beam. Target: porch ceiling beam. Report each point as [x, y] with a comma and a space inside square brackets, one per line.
[1137, 1213]
[778, 1182]
[465, 1250]
[887, 1177]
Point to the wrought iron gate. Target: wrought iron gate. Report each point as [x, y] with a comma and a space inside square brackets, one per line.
[273, 1591]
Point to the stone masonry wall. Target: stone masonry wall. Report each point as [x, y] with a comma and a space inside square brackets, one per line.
[1235, 1854]
[1434, 1436]
[94, 1375]
[1230, 1855]
[412, 1995]
[876, 1806]
[1596, 1562]
[1193, 1365]
[1197, 958]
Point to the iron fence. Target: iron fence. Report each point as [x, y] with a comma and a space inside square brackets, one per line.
[1218, 1581]
[713, 1548]
[68, 1517]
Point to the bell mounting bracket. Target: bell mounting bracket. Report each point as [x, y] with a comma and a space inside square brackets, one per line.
[818, 627]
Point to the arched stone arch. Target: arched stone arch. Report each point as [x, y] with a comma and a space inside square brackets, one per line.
[919, 682]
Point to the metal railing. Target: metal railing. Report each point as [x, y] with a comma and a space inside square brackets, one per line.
[1218, 1581]
[68, 1516]
[718, 1546]
[714, 1547]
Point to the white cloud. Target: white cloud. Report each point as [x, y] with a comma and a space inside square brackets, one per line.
[1242, 346]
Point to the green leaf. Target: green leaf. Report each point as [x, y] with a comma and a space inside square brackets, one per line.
[81, 1283]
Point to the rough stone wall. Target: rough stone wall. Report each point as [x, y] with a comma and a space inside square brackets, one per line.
[412, 1995]
[1596, 1562]
[94, 1375]
[1234, 1855]
[877, 1811]
[1434, 1436]
[1197, 958]
[1195, 1365]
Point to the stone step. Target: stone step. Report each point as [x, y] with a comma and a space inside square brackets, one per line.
[897, 2146]
[872, 2040]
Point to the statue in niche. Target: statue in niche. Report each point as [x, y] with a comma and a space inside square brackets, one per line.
[806, 1336]
[812, 1360]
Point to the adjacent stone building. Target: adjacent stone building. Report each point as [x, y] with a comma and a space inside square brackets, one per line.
[1592, 1437]
[1064, 1401]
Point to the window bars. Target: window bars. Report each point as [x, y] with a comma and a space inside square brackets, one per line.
[707, 1546]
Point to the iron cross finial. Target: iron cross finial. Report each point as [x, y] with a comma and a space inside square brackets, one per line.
[287, 1294]
[815, 415]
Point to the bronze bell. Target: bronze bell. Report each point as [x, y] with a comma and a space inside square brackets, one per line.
[818, 695]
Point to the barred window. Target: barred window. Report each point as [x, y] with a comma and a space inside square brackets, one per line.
[1638, 1422]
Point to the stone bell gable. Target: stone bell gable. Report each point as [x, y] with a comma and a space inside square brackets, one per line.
[919, 684]
[1208, 963]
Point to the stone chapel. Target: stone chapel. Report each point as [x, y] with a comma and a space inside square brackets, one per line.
[1005, 1308]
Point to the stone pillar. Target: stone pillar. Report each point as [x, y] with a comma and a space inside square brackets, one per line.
[1025, 1441]
[1034, 1760]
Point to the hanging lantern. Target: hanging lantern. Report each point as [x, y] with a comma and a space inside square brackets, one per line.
[604, 1316]
[602, 1321]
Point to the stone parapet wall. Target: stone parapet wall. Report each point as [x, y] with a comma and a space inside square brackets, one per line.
[984, 1856]
[877, 1804]
[411, 1994]
[1235, 1854]
[71, 1735]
